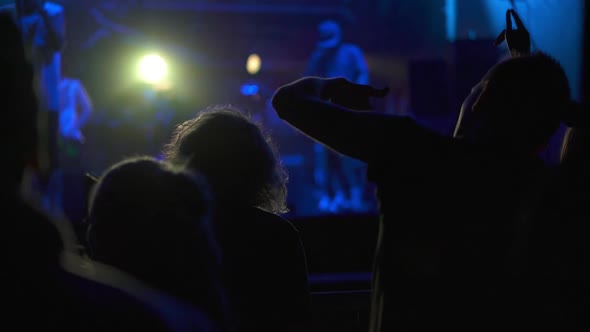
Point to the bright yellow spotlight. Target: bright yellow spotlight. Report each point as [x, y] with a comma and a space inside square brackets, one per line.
[253, 64]
[152, 69]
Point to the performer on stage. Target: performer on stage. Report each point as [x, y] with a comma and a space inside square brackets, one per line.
[43, 28]
[66, 190]
[74, 113]
[341, 179]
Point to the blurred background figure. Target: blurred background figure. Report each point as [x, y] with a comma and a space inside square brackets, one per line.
[74, 112]
[42, 28]
[339, 179]
[75, 109]
[42, 25]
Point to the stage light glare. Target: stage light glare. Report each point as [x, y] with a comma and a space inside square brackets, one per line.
[153, 69]
[253, 64]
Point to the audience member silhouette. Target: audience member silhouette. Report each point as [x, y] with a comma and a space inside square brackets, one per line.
[448, 204]
[558, 253]
[152, 220]
[44, 285]
[264, 260]
[554, 234]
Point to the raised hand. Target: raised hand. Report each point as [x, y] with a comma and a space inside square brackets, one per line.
[519, 40]
[339, 91]
[351, 95]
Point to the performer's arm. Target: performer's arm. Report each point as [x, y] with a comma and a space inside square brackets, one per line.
[362, 68]
[85, 103]
[53, 17]
[358, 134]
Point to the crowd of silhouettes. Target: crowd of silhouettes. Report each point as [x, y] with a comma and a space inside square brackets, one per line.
[476, 233]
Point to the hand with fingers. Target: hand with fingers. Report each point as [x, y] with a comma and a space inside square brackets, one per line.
[519, 39]
[339, 91]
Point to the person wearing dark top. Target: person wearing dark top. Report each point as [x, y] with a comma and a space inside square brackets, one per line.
[558, 254]
[45, 285]
[448, 205]
[263, 259]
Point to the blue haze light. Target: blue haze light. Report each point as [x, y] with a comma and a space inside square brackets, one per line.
[249, 89]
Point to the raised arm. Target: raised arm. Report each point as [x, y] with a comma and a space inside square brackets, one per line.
[362, 69]
[85, 103]
[54, 19]
[327, 111]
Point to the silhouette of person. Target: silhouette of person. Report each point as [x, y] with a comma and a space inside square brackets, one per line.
[152, 220]
[42, 28]
[264, 261]
[556, 235]
[340, 178]
[448, 204]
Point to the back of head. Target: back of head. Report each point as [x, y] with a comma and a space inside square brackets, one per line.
[523, 101]
[330, 34]
[149, 219]
[232, 152]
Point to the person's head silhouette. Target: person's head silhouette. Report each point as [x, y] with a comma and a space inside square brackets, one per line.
[152, 220]
[330, 34]
[141, 203]
[239, 161]
[518, 105]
